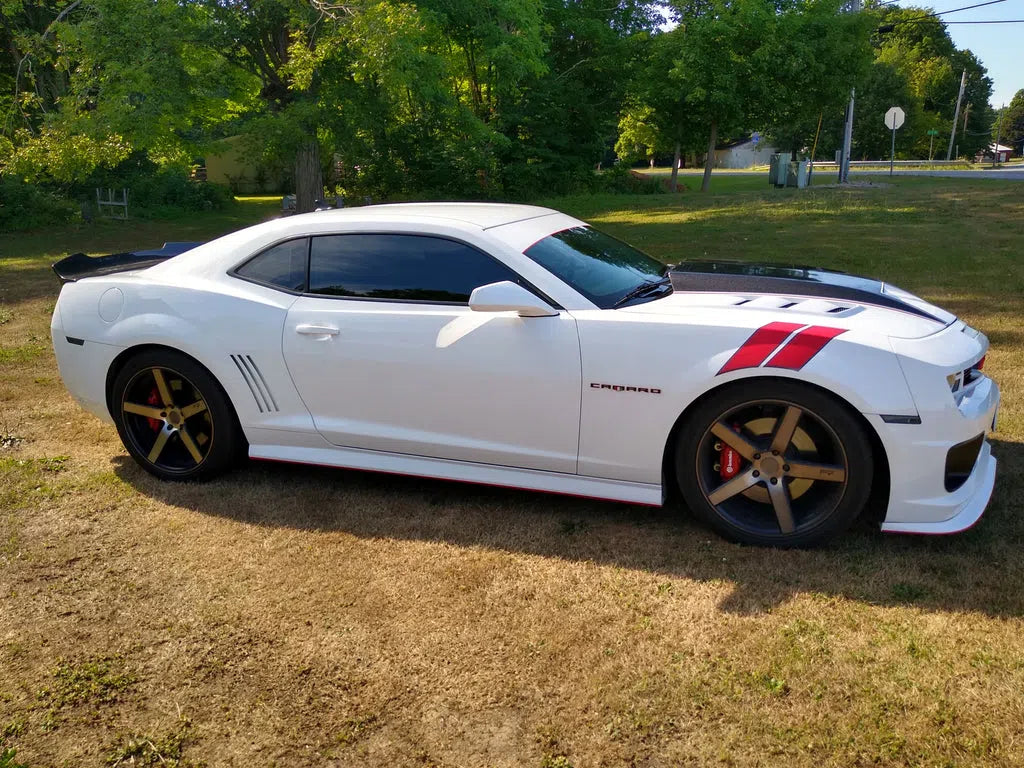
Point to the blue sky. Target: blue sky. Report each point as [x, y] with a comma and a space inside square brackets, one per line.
[999, 46]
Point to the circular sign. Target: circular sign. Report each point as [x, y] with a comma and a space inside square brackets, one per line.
[894, 118]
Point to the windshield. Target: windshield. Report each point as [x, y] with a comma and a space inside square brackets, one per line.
[603, 269]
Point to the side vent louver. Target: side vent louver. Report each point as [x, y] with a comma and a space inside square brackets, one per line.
[257, 384]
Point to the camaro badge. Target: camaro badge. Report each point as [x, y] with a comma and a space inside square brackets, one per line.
[623, 388]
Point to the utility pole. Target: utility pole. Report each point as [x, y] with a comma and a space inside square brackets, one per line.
[844, 165]
[999, 130]
[956, 114]
[844, 160]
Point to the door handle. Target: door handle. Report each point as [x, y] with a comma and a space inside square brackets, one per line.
[317, 330]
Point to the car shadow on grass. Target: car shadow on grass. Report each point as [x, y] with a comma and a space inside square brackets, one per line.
[979, 570]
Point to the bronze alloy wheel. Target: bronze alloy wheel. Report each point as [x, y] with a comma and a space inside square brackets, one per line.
[173, 416]
[789, 468]
[167, 419]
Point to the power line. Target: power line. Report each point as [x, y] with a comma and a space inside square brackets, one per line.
[936, 14]
[888, 27]
[967, 7]
[942, 13]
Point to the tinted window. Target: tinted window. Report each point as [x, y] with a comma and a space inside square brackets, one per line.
[597, 265]
[409, 267]
[283, 265]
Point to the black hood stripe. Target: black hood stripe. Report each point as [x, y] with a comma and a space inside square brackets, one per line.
[743, 278]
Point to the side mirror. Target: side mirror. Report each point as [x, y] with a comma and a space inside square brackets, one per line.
[507, 296]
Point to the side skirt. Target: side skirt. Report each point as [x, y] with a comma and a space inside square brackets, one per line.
[463, 471]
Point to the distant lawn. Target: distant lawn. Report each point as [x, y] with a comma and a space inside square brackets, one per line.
[296, 616]
[109, 235]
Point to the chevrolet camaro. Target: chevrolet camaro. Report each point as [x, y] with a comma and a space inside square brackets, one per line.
[518, 346]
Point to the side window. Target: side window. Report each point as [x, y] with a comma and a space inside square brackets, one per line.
[406, 267]
[283, 265]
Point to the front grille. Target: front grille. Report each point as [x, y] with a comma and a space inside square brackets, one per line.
[960, 462]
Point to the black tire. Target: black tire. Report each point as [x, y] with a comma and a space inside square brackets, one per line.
[809, 491]
[174, 418]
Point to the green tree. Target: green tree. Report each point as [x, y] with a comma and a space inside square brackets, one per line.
[32, 76]
[640, 137]
[826, 51]
[919, 47]
[1011, 123]
[734, 65]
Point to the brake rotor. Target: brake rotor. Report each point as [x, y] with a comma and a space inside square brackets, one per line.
[764, 427]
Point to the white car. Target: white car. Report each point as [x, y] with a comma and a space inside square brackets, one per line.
[518, 346]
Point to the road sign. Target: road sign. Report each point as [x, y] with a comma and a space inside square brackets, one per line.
[756, 138]
[894, 118]
[933, 132]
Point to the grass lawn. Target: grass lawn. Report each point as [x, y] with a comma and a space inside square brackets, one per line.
[296, 616]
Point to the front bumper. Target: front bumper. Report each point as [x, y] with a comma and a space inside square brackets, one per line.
[979, 490]
[918, 499]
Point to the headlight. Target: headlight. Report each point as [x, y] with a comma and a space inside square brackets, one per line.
[966, 377]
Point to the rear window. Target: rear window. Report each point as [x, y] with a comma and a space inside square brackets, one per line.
[282, 265]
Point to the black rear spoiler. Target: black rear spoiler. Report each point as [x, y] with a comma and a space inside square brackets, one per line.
[79, 265]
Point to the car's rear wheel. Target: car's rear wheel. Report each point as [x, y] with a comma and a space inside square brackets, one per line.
[774, 463]
[173, 417]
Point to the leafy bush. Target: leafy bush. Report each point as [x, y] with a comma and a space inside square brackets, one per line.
[26, 206]
[622, 180]
[153, 191]
[169, 190]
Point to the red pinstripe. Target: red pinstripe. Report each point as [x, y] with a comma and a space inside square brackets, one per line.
[761, 343]
[804, 346]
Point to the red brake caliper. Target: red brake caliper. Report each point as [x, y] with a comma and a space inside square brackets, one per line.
[729, 460]
[154, 399]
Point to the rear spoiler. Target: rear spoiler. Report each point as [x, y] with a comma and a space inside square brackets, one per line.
[79, 265]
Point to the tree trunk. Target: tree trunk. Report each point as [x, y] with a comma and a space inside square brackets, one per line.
[710, 160]
[309, 184]
[672, 186]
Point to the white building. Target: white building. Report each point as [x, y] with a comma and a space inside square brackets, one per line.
[743, 153]
[996, 152]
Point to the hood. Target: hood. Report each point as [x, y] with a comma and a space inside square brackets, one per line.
[776, 279]
[806, 294]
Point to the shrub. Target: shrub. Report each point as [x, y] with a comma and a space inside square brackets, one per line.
[622, 180]
[26, 206]
[169, 190]
[153, 190]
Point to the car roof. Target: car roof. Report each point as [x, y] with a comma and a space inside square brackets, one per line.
[211, 257]
[483, 215]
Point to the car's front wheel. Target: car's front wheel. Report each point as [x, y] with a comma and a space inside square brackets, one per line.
[774, 463]
[173, 417]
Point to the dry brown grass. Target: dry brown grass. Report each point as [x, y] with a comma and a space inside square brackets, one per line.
[289, 616]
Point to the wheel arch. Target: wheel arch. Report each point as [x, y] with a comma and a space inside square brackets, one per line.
[880, 459]
[127, 354]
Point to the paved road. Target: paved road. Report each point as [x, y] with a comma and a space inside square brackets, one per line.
[1015, 174]
[1008, 174]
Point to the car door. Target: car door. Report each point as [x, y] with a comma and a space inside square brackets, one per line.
[387, 355]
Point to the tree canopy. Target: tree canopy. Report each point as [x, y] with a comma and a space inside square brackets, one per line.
[457, 98]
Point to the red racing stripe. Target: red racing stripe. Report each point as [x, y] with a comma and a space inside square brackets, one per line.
[804, 346]
[761, 343]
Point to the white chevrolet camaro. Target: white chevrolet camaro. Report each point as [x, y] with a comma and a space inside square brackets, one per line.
[518, 346]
